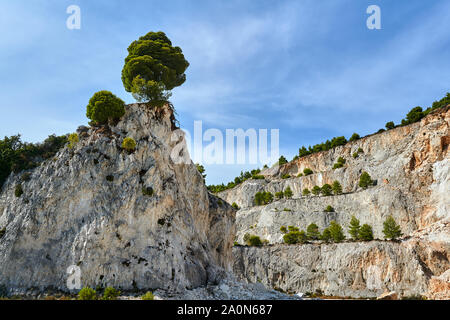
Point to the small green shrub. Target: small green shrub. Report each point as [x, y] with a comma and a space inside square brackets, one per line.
[87, 294]
[73, 140]
[340, 163]
[355, 155]
[282, 161]
[147, 191]
[279, 195]
[300, 175]
[110, 294]
[104, 106]
[18, 191]
[235, 206]
[329, 209]
[391, 229]
[294, 237]
[263, 198]
[365, 180]
[336, 232]
[258, 177]
[287, 209]
[312, 232]
[316, 190]
[2, 232]
[306, 192]
[285, 176]
[148, 296]
[354, 228]
[254, 241]
[307, 171]
[336, 187]
[129, 144]
[288, 192]
[360, 150]
[366, 233]
[326, 190]
[354, 137]
[390, 125]
[283, 229]
[326, 235]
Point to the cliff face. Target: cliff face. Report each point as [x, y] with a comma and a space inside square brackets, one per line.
[86, 208]
[410, 165]
[411, 169]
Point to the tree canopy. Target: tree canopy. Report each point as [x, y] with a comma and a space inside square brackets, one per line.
[153, 67]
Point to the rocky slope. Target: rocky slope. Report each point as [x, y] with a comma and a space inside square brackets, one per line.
[411, 169]
[87, 208]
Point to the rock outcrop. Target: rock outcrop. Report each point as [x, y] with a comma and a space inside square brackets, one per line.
[87, 208]
[410, 166]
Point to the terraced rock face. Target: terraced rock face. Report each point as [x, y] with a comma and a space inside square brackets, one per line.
[87, 208]
[410, 166]
[411, 169]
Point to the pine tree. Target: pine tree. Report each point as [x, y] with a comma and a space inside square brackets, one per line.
[326, 189]
[354, 228]
[288, 193]
[365, 180]
[336, 232]
[337, 188]
[326, 235]
[366, 233]
[312, 232]
[391, 229]
[306, 192]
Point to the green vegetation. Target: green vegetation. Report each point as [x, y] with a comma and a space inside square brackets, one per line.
[354, 137]
[201, 169]
[153, 67]
[235, 206]
[105, 106]
[279, 195]
[365, 180]
[326, 235]
[147, 191]
[337, 141]
[110, 294]
[329, 209]
[354, 228]
[326, 190]
[283, 229]
[306, 192]
[87, 294]
[129, 144]
[252, 240]
[282, 161]
[258, 177]
[391, 229]
[2, 232]
[294, 236]
[390, 125]
[307, 171]
[148, 296]
[288, 192]
[18, 191]
[73, 140]
[366, 233]
[316, 190]
[262, 198]
[245, 175]
[336, 232]
[312, 232]
[16, 156]
[300, 175]
[339, 164]
[336, 187]
[285, 176]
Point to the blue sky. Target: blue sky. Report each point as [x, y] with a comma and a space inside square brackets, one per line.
[309, 68]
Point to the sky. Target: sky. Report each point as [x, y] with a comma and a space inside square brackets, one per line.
[311, 69]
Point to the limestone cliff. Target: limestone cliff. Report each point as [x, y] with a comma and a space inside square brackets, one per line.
[86, 207]
[410, 166]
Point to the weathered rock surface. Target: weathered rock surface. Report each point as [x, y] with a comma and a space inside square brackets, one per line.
[86, 208]
[415, 267]
[411, 169]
